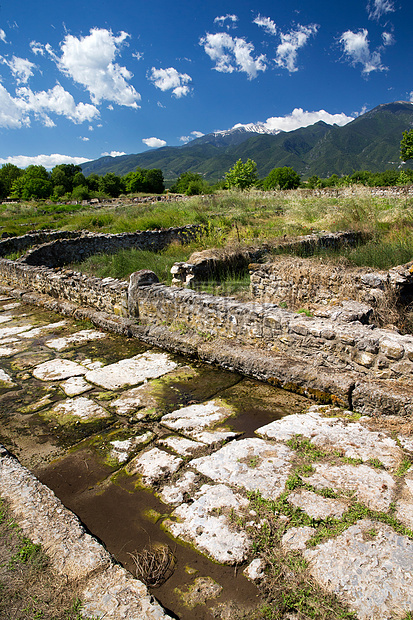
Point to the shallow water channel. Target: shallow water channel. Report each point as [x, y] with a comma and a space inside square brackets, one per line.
[85, 434]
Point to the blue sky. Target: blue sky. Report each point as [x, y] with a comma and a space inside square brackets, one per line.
[83, 79]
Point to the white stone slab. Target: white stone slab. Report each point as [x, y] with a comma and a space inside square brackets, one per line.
[316, 506]
[370, 567]
[181, 445]
[201, 524]
[196, 418]
[404, 509]
[5, 318]
[295, 539]
[252, 464]
[255, 570]
[122, 449]
[373, 487]
[216, 436]
[9, 351]
[131, 400]
[5, 379]
[174, 493]
[12, 306]
[153, 465]
[85, 335]
[75, 386]
[38, 331]
[80, 407]
[56, 370]
[6, 332]
[132, 371]
[91, 365]
[352, 438]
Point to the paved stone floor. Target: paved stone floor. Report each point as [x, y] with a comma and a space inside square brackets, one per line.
[95, 415]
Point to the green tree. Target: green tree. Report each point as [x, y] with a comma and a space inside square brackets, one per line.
[406, 145]
[8, 174]
[282, 178]
[191, 184]
[110, 184]
[242, 176]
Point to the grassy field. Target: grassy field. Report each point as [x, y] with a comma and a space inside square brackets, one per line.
[231, 219]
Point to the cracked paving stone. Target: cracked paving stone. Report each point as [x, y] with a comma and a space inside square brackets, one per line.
[355, 440]
[375, 488]
[75, 386]
[252, 464]
[197, 418]
[132, 371]
[6, 380]
[85, 335]
[205, 523]
[38, 331]
[316, 506]
[181, 445]
[80, 407]
[55, 370]
[174, 493]
[122, 449]
[370, 567]
[295, 539]
[153, 465]
[404, 509]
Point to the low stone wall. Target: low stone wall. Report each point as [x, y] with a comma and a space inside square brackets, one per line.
[63, 251]
[10, 245]
[299, 282]
[211, 264]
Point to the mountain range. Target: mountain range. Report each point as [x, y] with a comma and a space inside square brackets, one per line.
[369, 142]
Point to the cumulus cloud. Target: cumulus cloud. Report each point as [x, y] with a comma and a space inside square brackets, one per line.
[192, 135]
[171, 79]
[2, 35]
[232, 54]
[58, 101]
[48, 161]
[232, 19]
[11, 114]
[378, 8]
[154, 143]
[84, 139]
[113, 154]
[300, 118]
[89, 61]
[266, 23]
[291, 42]
[356, 48]
[21, 68]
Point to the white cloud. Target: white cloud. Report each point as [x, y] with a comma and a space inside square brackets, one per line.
[159, 104]
[89, 61]
[56, 100]
[84, 139]
[356, 47]
[266, 23]
[377, 8]
[11, 114]
[232, 54]
[298, 118]
[2, 35]
[223, 18]
[291, 42]
[137, 55]
[154, 143]
[388, 38]
[48, 161]
[171, 79]
[113, 154]
[37, 48]
[193, 134]
[21, 68]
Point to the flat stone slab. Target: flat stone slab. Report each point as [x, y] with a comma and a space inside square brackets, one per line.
[38, 331]
[132, 371]
[295, 539]
[81, 407]
[57, 370]
[174, 493]
[9, 351]
[153, 465]
[370, 567]
[182, 445]
[6, 380]
[75, 386]
[85, 335]
[7, 332]
[373, 487]
[404, 509]
[252, 464]
[352, 438]
[200, 524]
[133, 400]
[196, 418]
[215, 436]
[122, 449]
[115, 594]
[5, 318]
[316, 506]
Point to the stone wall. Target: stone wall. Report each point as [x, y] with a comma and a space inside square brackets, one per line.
[307, 282]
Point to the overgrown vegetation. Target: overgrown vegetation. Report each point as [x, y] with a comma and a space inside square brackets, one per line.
[29, 590]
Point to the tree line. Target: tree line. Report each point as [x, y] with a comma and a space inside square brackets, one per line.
[67, 181]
